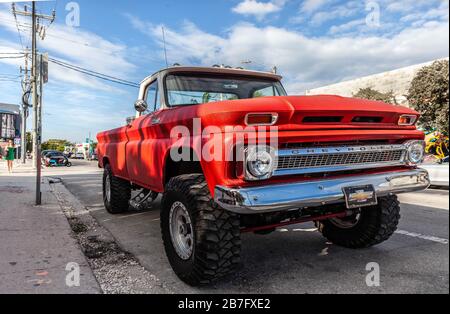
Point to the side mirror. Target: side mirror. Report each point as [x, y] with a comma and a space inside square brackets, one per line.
[140, 105]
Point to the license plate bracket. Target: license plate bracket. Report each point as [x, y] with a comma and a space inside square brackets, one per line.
[360, 196]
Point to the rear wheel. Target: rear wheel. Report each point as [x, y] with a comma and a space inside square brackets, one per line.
[368, 227]
[202, 240]
[116, 192]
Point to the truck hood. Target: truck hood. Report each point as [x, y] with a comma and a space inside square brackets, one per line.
[299, 113]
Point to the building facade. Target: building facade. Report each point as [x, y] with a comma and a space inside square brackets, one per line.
[10, 123]
[398, 81]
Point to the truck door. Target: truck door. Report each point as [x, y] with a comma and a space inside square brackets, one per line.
[140, 149]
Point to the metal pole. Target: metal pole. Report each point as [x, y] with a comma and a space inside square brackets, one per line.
[36, 157]
[39, 137]
[24, 116]
[37, 125]
[23, 135]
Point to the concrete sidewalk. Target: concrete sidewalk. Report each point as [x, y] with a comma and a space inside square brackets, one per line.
[36, 242]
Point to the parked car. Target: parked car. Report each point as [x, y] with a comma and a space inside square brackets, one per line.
[55, 160]
[52, 153]
[78, 156]
[336, 161]
[45, 152]
[438, 171]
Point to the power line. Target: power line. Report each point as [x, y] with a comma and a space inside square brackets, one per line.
[10, 76]
[84, 44]
[12, 57]
[9, 80]
[13, 7]
[95, 74]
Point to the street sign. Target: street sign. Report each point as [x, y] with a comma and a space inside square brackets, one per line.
[17, 141]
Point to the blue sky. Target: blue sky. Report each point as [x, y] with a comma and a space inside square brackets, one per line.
[313, 43]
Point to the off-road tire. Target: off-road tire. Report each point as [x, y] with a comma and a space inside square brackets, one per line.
[120, 192]
[217, 242]
[376, 225]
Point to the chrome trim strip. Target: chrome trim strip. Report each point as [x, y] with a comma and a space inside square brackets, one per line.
[281, 197]
[337, 150]
[314, 170]
[321, 151]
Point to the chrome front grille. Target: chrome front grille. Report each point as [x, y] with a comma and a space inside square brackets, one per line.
[328, 159]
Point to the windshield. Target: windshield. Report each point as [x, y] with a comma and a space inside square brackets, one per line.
[188, 89]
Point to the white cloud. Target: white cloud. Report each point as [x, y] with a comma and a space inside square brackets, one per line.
[418, 18]
[79, 47]
[74, 103]
[404, 5]
[310, 6]
[344, 11]
[307, 62]
[258, 9]
[342, 28]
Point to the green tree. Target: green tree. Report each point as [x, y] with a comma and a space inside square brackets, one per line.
[55, 144]
[372, 94]
[428, 95]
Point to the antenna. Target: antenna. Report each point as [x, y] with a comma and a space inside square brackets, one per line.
[165, 48]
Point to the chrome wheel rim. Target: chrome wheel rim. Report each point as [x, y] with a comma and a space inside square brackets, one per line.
[181, 231]
[347, 222]
[108, 188]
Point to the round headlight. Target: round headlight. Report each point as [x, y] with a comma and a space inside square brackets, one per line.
[260, 162]
[416, 152]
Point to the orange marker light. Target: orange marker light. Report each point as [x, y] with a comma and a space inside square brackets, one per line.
[407, 120]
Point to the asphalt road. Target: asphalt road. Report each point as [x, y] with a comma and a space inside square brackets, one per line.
[296, 259]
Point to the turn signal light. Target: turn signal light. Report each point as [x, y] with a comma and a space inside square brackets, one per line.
[261, 119]
[407, 119]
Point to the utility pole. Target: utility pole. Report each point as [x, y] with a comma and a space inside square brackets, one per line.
[25, 88]
[34, 84]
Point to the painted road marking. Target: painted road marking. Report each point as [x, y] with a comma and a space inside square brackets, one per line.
[401, 232]
[132, 215]
[423, 237]
[305, 230]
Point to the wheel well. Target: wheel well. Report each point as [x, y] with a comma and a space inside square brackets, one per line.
[174, 169]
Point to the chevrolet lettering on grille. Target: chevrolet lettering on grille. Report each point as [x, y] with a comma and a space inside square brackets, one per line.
[332, 159]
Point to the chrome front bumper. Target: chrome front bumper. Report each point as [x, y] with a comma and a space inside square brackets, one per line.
[292, 196]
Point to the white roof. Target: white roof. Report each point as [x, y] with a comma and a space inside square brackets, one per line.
[235, 71]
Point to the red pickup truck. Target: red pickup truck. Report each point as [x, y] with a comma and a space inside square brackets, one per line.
[230, 153]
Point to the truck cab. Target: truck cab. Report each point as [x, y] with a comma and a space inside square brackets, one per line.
[231, 152]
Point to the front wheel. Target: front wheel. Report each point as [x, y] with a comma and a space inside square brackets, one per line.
[368, 227]
[116, 192]
[202, 240]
